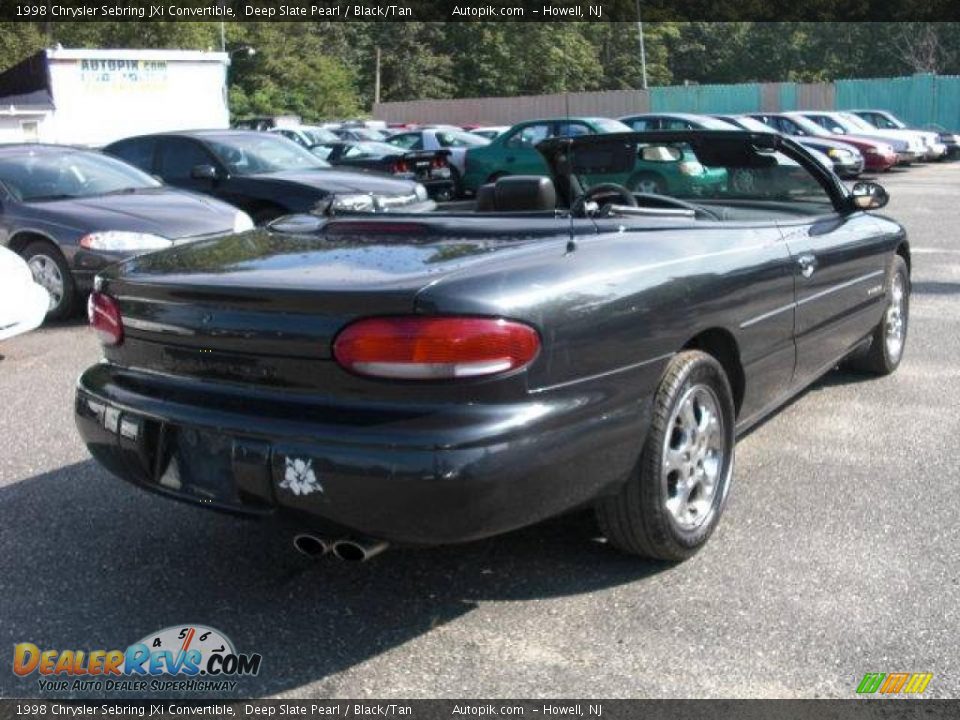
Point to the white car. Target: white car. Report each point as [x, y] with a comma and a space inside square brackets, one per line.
[884, 121]
[456, 141]
[844, 123]
[23, 303]
[306, 135]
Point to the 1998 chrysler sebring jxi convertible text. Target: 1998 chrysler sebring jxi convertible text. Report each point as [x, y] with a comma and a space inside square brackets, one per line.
[438, 378]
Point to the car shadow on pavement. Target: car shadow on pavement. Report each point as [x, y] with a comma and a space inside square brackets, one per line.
[92, 563]
[935, 288]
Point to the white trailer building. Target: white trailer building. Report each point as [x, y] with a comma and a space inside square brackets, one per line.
[93, 97]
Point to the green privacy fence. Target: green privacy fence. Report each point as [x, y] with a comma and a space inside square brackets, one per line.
[919, 100]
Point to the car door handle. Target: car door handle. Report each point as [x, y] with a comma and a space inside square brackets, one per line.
[807, 263]
[509, 159]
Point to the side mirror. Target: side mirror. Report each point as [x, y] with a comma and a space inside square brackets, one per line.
[837, 130]
[203, 172]
[868, 196]
[660, 153]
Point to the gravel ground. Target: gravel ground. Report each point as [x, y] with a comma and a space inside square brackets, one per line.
[837, 554]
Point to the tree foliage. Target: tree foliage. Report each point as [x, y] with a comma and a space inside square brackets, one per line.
[327, 69]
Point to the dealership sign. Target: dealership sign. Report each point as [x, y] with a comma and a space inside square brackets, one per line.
[116, 74]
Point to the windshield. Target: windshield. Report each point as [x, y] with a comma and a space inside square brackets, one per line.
[319, 135]
[35, 176]
[752, 124]
[249, 154]
[886, 122]
[605, 125]
[366, 134]
[857, 122]
[807, 125]
[372, 149]
[704, 171]
[459, 138]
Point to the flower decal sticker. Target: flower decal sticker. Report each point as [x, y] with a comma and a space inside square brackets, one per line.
[299, 477]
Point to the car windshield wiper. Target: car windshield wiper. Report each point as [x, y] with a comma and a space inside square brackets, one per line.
[42, 198]
[130, 190]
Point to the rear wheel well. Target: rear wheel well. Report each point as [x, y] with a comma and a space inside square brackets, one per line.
[723, 347]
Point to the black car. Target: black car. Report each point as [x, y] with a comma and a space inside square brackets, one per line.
[439, 378]
[265, 174]
[71, 212]
[431, 168]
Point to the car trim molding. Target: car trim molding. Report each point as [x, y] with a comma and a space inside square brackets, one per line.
[598, 376]
[816, 296]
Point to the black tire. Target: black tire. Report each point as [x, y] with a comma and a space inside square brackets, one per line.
[879, 358]
[41, 251]
[637, 519]
[659, 185]
[457, 183]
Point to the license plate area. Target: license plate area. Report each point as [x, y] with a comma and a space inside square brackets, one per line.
[197, 463]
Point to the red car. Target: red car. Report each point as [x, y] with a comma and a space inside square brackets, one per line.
[877, 154]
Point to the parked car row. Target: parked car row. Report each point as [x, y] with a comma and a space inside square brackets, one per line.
[71, 212]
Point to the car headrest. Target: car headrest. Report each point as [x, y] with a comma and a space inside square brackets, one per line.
[525, 192]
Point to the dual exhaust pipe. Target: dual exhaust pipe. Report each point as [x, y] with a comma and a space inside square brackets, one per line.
[347, 549]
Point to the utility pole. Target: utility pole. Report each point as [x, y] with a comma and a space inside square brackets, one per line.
[643, 52]
[376, 79]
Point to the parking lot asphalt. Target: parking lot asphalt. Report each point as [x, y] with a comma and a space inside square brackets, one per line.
[837, 555]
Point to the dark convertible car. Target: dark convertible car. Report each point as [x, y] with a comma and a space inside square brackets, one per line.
[438, 378]
[265, 174]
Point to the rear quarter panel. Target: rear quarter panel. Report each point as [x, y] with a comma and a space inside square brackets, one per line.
[621, 303]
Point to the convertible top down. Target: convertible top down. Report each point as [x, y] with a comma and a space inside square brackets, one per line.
[569, 341]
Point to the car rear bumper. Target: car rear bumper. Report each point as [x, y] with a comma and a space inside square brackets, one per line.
[513, 465]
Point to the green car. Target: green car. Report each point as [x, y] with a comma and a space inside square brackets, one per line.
[668, 170]
[514, 153]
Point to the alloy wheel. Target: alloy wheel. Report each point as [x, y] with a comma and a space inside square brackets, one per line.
[47, 274]
[895, 319]
[694, 453]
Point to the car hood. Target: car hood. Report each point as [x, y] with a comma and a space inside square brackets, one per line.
[341, 181]
[821, 142]
[170, 213]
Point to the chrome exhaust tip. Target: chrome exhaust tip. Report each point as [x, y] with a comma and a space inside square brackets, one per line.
[358, 549]
[310, 545]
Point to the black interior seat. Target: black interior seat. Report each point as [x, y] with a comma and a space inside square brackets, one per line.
[517, 193]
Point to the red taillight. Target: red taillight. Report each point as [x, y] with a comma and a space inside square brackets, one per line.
[439, 162]
[104, 315]
[435, 348]
[399, 166]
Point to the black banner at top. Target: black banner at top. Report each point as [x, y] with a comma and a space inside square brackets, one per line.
[476, 10]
